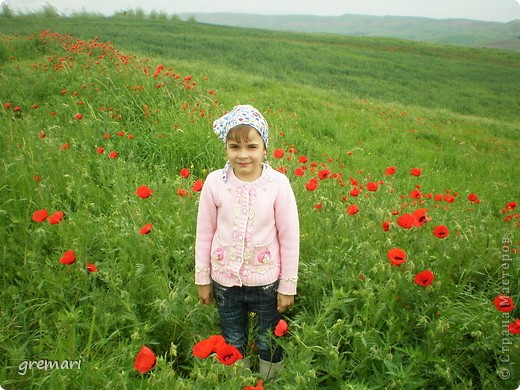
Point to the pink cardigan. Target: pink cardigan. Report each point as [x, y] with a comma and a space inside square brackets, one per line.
[248, 233]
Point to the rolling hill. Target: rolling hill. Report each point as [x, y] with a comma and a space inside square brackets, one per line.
[447, 31]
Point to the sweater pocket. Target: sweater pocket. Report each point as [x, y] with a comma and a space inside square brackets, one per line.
[219, 254]
[261, 258]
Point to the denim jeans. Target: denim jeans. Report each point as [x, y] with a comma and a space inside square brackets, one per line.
[234, 305]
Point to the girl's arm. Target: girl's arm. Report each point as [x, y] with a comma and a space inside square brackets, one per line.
[287, 224]
[284, 302]
[206, 227]
[205, 294]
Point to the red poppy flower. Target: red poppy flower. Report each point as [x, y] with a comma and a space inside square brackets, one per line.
[302, 159]
[259, 386]
[405, 221]
[55, 218]
[40, 215]
[146, 229]
[424, 278]
[185, 173]
[510, 206]
[352, 209]
[158, 70]
[441, 231]
[113, 154]
[282, 169]
[203, 349]
[514, 327]
[312, 184]
[278, 153]
[416, 194]
[145, 360]
[390, 171]
[7, 105]
[68, 257]
[100, 150]
[503, 303]
[449, 198]
[372, 186]
[323, 174]
[386, 225]
[228, 354]
[420, 218]
[318, 206]
[197, 186]
[472, 197]
[299, 172]
[397, 256]
[281, 328]
[78, 117]
[415, 172]
[354, 192]
[438, 197]
[216, 340]
[182, 192]
[17, 108]
[91, 267]
[143, 192]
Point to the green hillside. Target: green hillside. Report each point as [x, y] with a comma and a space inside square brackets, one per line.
[466, 81]
[403, 156]
[464, 32]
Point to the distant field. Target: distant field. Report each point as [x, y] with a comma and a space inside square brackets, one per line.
[464, 80]
[404, 158]
[446, 31]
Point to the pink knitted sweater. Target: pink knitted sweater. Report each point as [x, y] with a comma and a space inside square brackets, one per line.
[247, 232]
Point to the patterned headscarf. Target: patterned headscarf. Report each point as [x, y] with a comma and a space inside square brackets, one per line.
[240, 115]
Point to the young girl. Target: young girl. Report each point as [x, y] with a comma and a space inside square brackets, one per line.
[247, 243]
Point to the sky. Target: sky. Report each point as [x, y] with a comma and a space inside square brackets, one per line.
[489, 10]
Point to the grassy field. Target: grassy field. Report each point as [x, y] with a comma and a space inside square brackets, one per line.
[92, 108]
[463, 32]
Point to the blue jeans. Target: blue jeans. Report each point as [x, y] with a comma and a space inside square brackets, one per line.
[234, 305]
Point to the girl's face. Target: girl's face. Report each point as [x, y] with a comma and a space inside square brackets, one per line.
[245, 155]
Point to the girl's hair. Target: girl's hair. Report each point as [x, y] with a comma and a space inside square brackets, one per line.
[240, 133]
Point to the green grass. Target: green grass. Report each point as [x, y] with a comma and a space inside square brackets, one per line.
[353, 106]
[444, 31]
[464, 80]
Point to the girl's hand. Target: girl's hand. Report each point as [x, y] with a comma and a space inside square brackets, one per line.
[205, 294]
[284, 301]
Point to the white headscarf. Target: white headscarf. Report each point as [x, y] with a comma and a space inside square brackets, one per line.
[240, 115]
